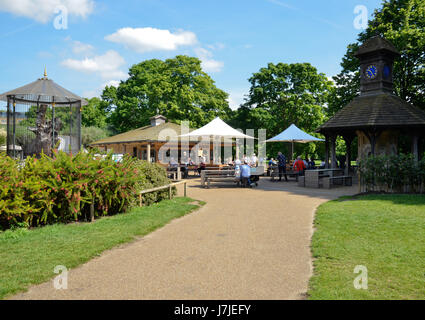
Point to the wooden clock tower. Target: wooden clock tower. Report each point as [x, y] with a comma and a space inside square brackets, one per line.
[376, 66]
[377, 117]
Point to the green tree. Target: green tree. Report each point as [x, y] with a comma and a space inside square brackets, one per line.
[92, 134]
[403, 23]
[95, 113]
[284, 94]
[176, 88]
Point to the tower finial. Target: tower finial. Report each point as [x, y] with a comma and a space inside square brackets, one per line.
[45, 73]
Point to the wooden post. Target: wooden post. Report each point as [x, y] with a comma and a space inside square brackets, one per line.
[148, 152]
[169, 192]
[92, 211]
[348, 142]
[415, 149]
[333, 152]
[327, 152]
[185, 187]
[140, 200]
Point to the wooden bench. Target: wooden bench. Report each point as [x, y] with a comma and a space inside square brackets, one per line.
[207, 174]
[274, 173]
[221, 179]
[328, 182]
[174, 173]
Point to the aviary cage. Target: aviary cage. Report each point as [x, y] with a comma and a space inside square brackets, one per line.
[40, 117]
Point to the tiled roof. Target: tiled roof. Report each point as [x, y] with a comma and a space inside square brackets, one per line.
[374, 44]
[147, 133]
[379, 110]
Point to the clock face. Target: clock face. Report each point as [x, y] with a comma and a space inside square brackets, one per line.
[371, 72]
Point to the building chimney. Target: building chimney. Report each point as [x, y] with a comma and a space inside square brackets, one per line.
[157, 120]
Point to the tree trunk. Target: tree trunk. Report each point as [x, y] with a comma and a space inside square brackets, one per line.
[43, 132]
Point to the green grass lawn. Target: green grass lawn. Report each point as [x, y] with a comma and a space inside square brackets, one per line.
[29, 256]
[385, 233]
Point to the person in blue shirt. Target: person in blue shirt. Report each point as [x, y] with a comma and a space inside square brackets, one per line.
[282, 166]
[246, 173]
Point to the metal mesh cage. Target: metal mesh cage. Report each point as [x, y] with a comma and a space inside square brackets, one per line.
[36, 124]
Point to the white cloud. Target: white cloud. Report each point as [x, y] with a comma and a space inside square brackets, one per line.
[44, 10]
[81, 48]
[150, 39]
[216, 46]
[107, 65]
[208, 63]
[236, 98]
[112, 83]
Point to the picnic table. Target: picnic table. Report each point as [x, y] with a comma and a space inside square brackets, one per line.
[313, 177]
[228, 175]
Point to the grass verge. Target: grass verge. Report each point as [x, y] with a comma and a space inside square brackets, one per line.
[385, 233]
[28, 257]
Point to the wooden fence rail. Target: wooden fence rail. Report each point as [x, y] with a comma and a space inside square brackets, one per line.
[168, 186]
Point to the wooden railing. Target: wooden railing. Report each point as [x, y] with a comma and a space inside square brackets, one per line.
[168, 186]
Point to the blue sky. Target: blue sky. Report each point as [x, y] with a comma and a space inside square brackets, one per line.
[233, 38]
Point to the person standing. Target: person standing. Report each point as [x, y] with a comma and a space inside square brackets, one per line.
[184, 161]
[282, 166]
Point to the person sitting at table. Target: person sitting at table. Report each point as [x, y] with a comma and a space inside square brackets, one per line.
[245, 174]
[272, 162]
[299, 166]
[311, 164]
[202, 164]
[173, 163]
[254, 160]
[185, 164]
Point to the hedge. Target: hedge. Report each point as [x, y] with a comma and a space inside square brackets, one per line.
[61, 188]
[394, 174]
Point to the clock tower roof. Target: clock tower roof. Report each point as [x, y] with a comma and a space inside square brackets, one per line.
[376, 44]
[377, 107]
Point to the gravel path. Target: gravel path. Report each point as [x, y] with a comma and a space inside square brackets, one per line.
[243, 244]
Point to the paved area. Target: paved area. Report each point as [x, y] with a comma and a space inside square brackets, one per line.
[243, 244]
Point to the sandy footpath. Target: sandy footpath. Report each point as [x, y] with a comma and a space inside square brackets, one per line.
[243, 244]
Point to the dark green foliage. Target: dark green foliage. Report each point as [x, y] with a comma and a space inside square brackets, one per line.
[95, 113]
[62, 188]
[176, 88]
[92, 134]
[395, 173]
[281, 95]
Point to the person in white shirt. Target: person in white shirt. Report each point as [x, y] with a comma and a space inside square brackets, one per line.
[254, 160]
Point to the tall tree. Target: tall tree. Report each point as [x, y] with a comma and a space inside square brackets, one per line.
[403, 23]
[95, 113]
[176, 88]
[284, 94]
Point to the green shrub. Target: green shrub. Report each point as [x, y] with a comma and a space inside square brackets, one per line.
[152, 175]
[63, 187]
[394, 173]
[2, 137]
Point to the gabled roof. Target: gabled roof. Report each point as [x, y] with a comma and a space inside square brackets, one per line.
[378, 110]
[43, 90]
[146, 133]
